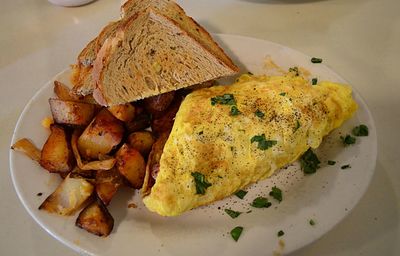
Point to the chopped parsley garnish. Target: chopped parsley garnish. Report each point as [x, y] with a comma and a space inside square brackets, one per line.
[295, 70]
[201, 133]
[261, 202]
[297, 125]
[233, 214]
[309, 162]
[361, 130]
[330, 162]
[276, 193]
[249, 73]
[348, 140]
[234, 111]
[280, 233]
[201, 183]
[259, 113]
[236, 232]
[263, 143]
[347, 166]
[226, 99]
[282, 93]
[312, 222]
[241, 194]
[316, 60]
[314, 81]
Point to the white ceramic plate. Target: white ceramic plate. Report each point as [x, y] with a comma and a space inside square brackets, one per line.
[326, 196]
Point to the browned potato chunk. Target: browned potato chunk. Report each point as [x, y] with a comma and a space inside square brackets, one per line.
[95, 219]
[141, 141]
[57, 154]
[63, 92]
[124, 112]
[28, 148]
[101, 136]
[131, 165]
[163, 122]
[107, 184]
[104, 164]
[141, 122]
[159, 103]
[71, 112]
[68, 197]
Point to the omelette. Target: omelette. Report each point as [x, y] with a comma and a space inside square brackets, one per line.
[227, 137]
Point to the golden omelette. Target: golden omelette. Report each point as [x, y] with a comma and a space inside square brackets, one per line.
[218, 132]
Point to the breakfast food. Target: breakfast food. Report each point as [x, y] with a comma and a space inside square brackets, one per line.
[139, 117]
[234, 135]
[151, 35]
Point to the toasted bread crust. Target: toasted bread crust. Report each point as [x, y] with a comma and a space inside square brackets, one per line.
[181, 70]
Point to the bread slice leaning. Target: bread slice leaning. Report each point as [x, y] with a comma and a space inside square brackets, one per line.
[82, 71]
[149, 55]
[173, 11]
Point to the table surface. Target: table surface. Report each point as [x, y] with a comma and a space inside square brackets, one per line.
[359, 39]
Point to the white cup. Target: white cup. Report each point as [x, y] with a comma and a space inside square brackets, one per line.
[70, 2]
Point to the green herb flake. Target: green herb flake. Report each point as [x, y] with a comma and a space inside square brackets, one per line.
[261, 202]
[249, 211]
[263, 143]
[280, 233]
[201, 133]
[250, 73]
[234, 111]
[295, 70]
[233, 214]
[312, 222]
[361, 130]
[276, 193]
[314, 81]
[297, 125]
[259, 113]
[241, 194]
[201, 183]
[346, 166]
[282, 93]
[348, 140]
[226, 99]
[236, 232]
[309, 162]
[330, 162]
[316, 60]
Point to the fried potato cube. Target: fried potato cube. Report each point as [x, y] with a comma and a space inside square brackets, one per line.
[142, 141]
[107, 184]
[141, 122]
[124, 112]
[163, 122]
[159, 103]
[131, 165]
[68, 197]
[95, 219]
[71, 112]
[63, 92]
[56, 153]
[101, 136]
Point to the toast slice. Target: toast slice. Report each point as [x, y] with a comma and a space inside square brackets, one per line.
[173, 11]
[81, 76]
[152, 54]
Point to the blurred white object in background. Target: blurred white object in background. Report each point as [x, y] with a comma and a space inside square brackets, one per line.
[70, 2]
